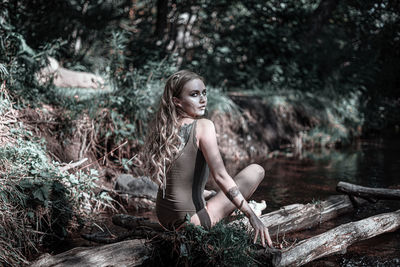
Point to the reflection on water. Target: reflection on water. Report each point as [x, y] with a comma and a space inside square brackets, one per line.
[315, 176]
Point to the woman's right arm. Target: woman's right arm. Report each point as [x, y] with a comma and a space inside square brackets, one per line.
[208, 144]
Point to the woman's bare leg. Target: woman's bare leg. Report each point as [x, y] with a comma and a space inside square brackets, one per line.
[219, 206]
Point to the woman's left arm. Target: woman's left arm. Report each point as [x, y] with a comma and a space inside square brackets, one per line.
[208, 144]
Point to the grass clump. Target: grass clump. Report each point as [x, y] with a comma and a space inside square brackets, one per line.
[222, 245]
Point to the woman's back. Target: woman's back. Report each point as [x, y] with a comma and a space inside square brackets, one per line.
[185, 183]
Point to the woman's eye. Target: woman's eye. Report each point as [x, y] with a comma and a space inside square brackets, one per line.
[204, 93]
[194, 94]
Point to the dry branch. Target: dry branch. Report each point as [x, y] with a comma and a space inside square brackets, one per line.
[338, 239]
[73, 165]
[367, 192]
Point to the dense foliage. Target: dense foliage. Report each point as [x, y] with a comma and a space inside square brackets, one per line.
[331, 48]
[39, 200]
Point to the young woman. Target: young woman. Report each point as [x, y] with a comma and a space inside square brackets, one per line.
[181, 153]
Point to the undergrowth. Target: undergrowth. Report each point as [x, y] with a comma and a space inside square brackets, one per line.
[39, 201]
[222, 245]
[318, 119]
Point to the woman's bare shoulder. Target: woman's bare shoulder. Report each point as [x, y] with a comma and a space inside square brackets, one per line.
[205, 129]
[205, 124]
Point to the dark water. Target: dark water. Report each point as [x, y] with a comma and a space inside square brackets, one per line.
[315, 175]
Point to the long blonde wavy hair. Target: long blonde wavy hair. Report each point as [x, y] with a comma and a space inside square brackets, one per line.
[162, 142]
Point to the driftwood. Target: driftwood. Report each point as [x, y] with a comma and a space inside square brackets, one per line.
[126, 253]
[298, 217]
[368, 193]
[338, 239]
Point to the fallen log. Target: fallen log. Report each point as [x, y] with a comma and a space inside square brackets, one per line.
[298, 217]
[126, 253]
[367, 192]
[337, 239]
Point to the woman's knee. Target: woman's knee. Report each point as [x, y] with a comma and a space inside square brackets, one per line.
[259, 171]
[251, 176]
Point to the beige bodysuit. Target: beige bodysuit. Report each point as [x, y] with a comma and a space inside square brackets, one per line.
[185, 184]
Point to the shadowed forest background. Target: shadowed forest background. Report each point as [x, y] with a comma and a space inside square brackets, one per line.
[282, 77]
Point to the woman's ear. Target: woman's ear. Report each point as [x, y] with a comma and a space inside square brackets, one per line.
[176, 101]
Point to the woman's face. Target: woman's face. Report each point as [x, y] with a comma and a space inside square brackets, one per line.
[193, 98]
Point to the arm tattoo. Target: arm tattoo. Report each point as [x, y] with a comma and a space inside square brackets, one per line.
[232, 193]
[241, 205]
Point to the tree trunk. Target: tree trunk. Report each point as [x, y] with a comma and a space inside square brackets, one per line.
[367, 192]
[320, 17]
[162, 12]
[338, 239]
[126, 253]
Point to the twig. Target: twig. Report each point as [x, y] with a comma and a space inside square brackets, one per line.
[108, 153]
[131, 158]
[294, 242]
[277, 234]
[8, 121]
[99, 227]
[44, 121]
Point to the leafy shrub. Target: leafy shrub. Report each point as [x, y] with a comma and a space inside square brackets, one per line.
[318, 118]
[39, 202]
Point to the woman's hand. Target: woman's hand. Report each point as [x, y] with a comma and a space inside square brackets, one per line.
[261, 230]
